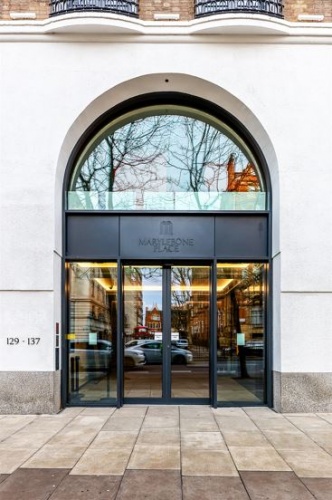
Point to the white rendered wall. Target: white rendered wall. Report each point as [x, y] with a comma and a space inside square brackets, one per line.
[51, 91]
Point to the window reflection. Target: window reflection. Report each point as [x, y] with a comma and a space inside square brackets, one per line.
[173, 158]
[241, 332]
[190, 319]
[143, 324]
[92, 332]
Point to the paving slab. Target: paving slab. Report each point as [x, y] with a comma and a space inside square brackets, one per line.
[10, 460]
[309, 463]
[150, 485]
[203, 441]
[198, 424]
[213, 488]
[87, 488]
[275, 486]
[32, 484]
[55, 457]
[244, 438]
[104, 462]
[159, 436]
[114, 440]
[155, 457]
[196, 462]
[321, 488]
[257, 458]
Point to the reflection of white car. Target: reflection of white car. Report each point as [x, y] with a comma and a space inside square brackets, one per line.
[153, 353]
[99, 356]
[183, 343]
[133, 358]
[135, 343]
[254, 348]
[92, 356]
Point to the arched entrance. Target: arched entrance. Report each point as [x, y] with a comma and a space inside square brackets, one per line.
[167, 250]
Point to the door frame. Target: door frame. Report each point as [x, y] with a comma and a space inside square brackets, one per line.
[167, 398]
[96, 237]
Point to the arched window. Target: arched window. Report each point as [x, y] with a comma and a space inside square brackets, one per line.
[163, 158]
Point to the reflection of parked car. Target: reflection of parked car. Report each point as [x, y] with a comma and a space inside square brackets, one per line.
[92, 356]
[153, 353]
[183, 343]
[98, 356]
[134, 343]
[133, 358]
[254, 348]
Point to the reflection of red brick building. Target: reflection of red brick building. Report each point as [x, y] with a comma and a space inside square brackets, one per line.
[244, 181]
[154, 319]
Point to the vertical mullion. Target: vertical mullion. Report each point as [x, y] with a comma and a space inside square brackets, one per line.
[120, 347]
[166, 369]
[213, 334]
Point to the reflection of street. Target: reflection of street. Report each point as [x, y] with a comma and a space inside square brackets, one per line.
[231, 366]
[93, 385]
[186, 382]
[200, 353]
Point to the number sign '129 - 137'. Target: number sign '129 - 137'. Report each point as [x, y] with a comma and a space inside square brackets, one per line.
[27, 341]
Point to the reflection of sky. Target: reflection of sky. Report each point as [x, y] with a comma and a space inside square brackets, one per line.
[151, 289]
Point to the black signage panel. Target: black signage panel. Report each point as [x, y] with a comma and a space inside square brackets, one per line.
[159, 237]
[242, 236]
[92, 236]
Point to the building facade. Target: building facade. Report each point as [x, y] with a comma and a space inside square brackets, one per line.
[165, 210]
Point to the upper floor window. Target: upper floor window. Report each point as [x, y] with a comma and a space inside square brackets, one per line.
[166, 157]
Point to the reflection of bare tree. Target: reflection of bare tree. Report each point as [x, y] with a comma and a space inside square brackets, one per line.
[165, 153]
[250, 276]
[181, 297]
[125, 159]
[201, 159]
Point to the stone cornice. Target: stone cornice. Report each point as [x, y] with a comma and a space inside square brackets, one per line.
[104, 26]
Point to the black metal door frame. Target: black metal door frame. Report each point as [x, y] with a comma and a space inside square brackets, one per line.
[237, 237]
[166, 343]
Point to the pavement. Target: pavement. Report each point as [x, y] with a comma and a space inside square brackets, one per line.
[166, 453]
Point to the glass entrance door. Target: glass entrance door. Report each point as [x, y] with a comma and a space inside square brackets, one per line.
[166, 317]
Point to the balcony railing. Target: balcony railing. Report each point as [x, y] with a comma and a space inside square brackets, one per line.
[127, 7]
[211, 7]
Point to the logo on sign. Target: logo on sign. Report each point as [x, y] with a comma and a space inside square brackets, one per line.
[166, 228]
[167, 244]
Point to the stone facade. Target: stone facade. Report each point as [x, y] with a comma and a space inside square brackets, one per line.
[302, 392]
[29, 392]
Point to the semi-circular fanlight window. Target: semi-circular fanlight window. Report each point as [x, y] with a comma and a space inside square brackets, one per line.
[166, 157]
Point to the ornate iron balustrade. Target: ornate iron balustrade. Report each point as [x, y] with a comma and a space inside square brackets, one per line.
[127, 7]
[267, 7]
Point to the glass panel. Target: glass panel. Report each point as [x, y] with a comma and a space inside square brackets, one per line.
[166, 158]
[172, 201]
[92, 332]
[143, 323]
[241, 332]
[190, 319]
